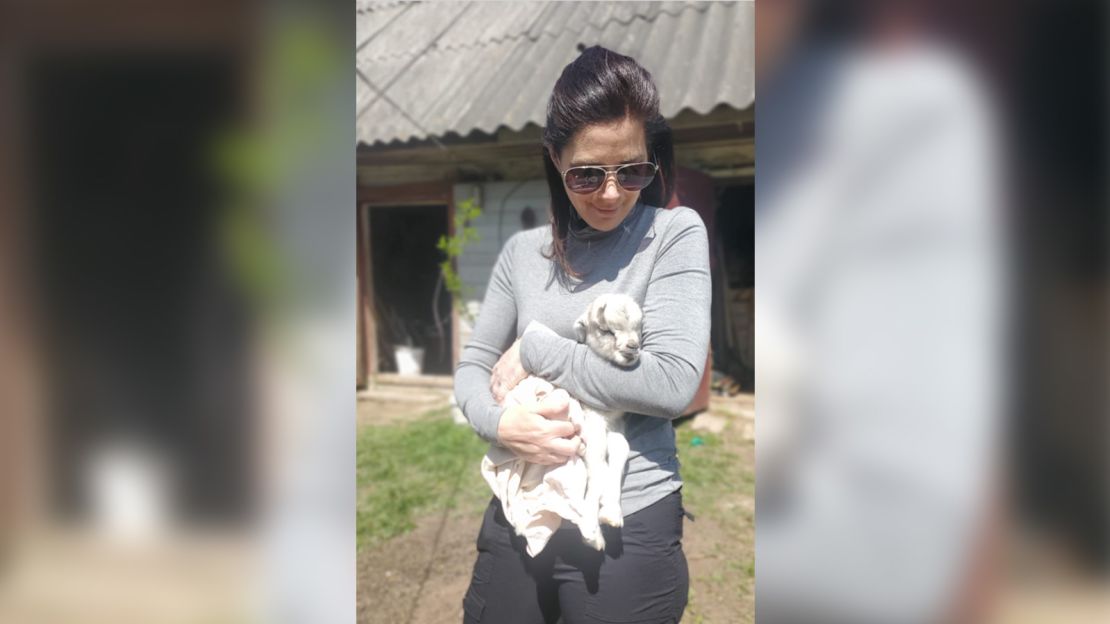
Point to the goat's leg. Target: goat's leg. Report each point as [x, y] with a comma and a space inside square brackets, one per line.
[610, 511]
[595, 438]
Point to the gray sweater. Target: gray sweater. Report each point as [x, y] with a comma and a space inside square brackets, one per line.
[658, 257]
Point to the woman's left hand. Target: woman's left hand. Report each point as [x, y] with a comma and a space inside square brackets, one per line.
[507, 373]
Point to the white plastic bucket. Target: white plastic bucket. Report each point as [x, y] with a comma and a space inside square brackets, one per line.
[410, 360]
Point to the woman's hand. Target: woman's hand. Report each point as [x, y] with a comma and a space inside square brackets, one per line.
[507, 373]
[540, 433]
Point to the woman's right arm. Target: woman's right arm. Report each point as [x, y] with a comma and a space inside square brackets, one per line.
[494, 332]
[538, 433]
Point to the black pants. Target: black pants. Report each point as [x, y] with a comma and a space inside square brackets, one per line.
[641, 577]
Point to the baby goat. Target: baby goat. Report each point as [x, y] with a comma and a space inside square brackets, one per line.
[587, 489]
[611, 327]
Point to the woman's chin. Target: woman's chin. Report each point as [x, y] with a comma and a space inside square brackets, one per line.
[605, 220]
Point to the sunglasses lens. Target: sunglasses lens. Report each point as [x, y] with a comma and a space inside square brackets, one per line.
[636, 177]
[631, 177]
[585, 179]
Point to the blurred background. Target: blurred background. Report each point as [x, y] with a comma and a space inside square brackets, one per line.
[931, 339]
[177, 440]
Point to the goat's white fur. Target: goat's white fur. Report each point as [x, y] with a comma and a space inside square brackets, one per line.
[611, 326]
[587, 489]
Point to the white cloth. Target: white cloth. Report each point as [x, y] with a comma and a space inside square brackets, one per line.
[534, 498]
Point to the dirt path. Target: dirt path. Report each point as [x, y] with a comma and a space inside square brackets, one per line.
[720, 591]
[394, 406]
[420, 577]
[432, 562]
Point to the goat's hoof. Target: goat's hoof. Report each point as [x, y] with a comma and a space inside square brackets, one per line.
[611, 516]
[594, 540]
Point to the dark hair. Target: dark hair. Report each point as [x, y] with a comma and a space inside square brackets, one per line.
[601, 86]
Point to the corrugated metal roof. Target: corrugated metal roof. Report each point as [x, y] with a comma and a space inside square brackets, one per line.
[426, 69]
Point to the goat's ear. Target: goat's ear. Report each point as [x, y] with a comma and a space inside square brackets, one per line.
[599, 315]
[581, 326]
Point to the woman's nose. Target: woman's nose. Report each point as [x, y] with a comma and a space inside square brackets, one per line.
[610, 189]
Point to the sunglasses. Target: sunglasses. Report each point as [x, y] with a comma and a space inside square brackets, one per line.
[589, 178]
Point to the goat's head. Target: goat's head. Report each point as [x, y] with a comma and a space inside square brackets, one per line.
[611, 327]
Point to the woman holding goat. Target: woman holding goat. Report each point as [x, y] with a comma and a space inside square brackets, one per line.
[609, 160]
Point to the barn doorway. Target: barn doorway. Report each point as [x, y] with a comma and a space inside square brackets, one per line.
[410, 304]
[145, 329]
[733, 336]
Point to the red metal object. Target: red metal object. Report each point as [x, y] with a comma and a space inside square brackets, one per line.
[695, 190]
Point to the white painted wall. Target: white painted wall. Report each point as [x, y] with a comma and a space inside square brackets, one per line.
[502, 204]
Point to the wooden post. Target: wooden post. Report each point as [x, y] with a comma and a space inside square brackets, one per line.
[368, 328]
[23, 464]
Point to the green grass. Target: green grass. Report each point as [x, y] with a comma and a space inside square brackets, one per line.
[711, 473]
[719, 484]
[410, 469]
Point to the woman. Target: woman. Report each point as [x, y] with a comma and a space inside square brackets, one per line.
[610, 165]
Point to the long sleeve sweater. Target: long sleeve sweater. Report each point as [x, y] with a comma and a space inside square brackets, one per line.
[658, 257]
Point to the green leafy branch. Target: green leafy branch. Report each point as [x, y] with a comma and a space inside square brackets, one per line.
[452, 246]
